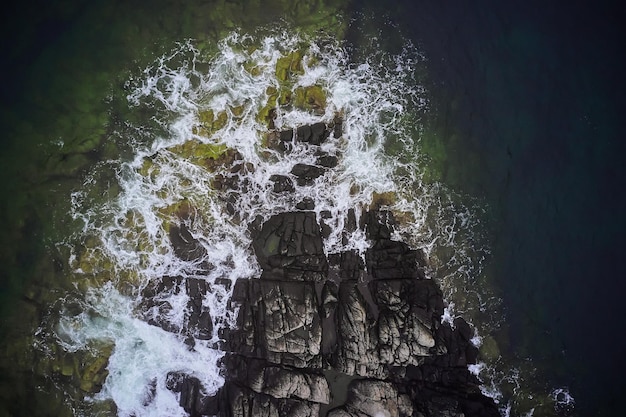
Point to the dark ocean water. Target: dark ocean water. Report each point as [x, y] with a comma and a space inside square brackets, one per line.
[536, 92]
[529, 98]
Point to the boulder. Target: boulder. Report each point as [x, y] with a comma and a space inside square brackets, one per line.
[185, 246]
[389, 259]
[306, 174]
[156, 307]
[289, 246]
[314, 134]
[278, 381]
[238, 401]
[282, 184]
[374, 398]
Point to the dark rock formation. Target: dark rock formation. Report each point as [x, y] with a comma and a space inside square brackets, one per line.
[282, 183]
[344, 335]
[314, 134]
[306, 174]
[197, 324]
[373, 323]
[289, 246]
[186, 247]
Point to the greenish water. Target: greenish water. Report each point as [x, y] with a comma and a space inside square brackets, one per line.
[64, 109]
[525, 124]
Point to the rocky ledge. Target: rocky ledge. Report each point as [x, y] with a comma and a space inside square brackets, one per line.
[342, 335]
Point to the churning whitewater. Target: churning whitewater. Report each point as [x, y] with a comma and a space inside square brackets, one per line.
[218, 113]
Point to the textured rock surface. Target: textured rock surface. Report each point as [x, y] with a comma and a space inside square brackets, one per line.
[339, 335]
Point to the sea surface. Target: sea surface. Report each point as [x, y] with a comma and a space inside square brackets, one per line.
[493, 130]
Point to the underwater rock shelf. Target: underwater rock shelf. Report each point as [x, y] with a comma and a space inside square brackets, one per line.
[333, 335]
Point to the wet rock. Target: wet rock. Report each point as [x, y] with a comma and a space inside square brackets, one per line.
[454, 392]
[306, 204]
[306, 174]
[278, 321]
[192, 395]
[455, 346]
[243, 402]
[405, 323]
[388, 259]
[282, 184]
[377, 224]
[371, 321]
[289, 246]
[156, 306]
[337, 127]
[287, 135]
[373, 398]
[314, 134]
[278, 381]
[327, 161]
[186, 247]
[199, 323]
[357, 344]
[349, 264]
[330, 294]
[95, 372]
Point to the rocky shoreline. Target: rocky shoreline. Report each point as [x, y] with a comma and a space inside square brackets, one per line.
[339, 335]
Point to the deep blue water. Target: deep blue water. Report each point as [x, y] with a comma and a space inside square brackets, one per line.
[535, 92]
[538, 94]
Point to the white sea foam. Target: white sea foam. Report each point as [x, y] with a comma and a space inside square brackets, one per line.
[142, 354]
[379, 103]
[562, 398]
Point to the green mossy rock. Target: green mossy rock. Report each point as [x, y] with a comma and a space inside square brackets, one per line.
[310, 98]
[95, 372]
[383, 199]
[207, 155]
[210, 122]
[290, 65]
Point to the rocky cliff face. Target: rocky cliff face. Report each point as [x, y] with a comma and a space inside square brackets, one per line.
[334, 335]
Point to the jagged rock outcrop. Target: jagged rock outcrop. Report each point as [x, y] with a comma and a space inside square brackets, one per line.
[339, 335]
[377, 321]
[278, 321]
[290, 247]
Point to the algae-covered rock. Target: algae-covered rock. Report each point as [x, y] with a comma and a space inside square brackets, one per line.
[95, 374]
[310, 98]
[207, 155]
[489, 348]
[383, 199]
[290, 65]
[210, 122]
